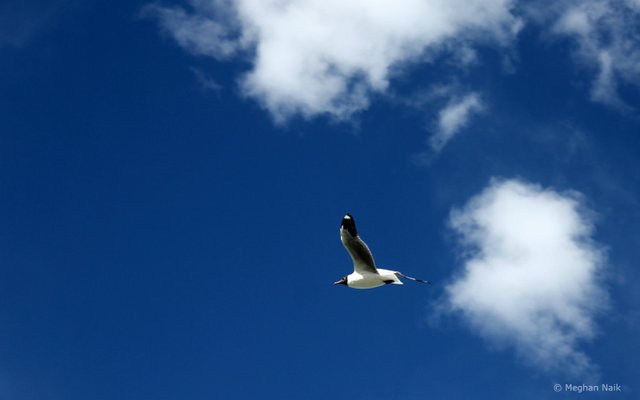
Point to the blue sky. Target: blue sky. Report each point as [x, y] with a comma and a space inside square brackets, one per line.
[173, 176]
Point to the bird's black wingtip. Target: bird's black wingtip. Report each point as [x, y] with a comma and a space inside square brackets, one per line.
[349, 224]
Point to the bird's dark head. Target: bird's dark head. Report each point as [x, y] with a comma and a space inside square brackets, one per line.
[342, 281]
[349, 224]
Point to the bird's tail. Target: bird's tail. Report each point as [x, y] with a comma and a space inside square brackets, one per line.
[412, 278]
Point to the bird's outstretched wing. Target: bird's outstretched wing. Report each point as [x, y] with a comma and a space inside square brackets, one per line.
[400, 274]
[362, 259]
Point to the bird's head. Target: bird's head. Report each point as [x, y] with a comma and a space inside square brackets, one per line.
[342, 281]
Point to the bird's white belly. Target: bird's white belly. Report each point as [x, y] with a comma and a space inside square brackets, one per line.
[365, 281]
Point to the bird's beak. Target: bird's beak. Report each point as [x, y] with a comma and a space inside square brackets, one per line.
[342, 281]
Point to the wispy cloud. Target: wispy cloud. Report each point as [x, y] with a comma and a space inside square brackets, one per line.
[531, 276]
[607, 39]
[454, 117]
[313, 57]
[205, 81]
[209, 30]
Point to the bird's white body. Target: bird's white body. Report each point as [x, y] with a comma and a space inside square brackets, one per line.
[369, 281]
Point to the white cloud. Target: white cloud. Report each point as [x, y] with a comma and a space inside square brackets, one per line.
[454, 117]
[312, 57]
[315, 57]
[608, 40]
[530, 279]
[208, 31]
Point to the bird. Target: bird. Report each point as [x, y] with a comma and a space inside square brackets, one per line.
[365, 274]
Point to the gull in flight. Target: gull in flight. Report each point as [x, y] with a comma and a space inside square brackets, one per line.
[365, 273]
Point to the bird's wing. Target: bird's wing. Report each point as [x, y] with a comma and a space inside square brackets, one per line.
[357, 248]
[411, 277]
